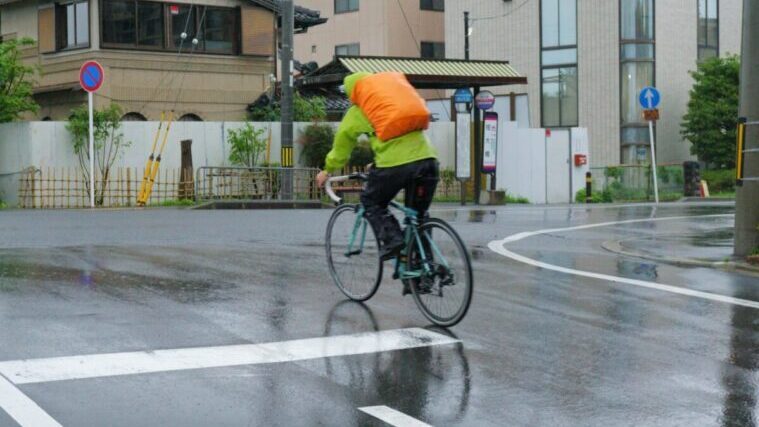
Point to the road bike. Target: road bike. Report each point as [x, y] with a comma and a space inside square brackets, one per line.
[437, 272]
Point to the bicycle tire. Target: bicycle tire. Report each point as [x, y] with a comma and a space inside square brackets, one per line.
[347, 282]
[466, 284]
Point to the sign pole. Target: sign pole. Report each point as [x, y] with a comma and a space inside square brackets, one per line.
[91, 78]
[92, 153]
[649, 99]
[653, 160]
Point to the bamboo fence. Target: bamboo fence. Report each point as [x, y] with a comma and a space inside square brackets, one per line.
[62, 188]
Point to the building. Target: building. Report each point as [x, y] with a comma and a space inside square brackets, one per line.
[405, 28]
[225, 60]
[587, 60]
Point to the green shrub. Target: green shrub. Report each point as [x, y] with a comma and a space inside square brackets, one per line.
[362, 155]
[602, 197]
[719, 180]
[317, 141]
[247, 145]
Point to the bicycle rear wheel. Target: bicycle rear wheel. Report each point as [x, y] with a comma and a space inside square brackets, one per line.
[353, 254]
[445, 292]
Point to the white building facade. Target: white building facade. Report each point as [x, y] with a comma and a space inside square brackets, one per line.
[587, 60]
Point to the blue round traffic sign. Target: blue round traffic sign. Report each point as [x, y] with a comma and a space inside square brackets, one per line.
[649, 98]
[462, 96]
[91, 76]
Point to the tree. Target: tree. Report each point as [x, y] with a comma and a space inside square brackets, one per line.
[16, 80]
[306, 110]
[109, 142]
[247, 145]
[712, 117]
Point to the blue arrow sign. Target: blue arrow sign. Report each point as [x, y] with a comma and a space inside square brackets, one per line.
[649, 98]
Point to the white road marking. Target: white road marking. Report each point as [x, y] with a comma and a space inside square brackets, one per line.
[141, 362]
[498, 246]
[393, 417]
[21, 408]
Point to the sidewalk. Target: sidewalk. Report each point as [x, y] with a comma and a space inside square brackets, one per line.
[713, 249]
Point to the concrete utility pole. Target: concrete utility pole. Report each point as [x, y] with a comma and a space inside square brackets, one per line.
[747, 195]
[286, 98]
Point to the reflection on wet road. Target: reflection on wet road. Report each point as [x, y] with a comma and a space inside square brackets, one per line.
[539, 347]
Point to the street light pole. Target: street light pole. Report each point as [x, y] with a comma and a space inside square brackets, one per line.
[286, 99]
[747, 194]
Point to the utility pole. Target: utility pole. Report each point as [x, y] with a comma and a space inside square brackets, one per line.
[476, 113]
[286, 98]
[466, 36]
[747, 195]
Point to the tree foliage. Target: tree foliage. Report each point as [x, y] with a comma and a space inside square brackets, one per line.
[16, 80]
[247, 145]
[304, 110]
[109, 143]
[712, 117]
[317, 141]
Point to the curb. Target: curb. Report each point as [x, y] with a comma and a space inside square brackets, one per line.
[615, 246]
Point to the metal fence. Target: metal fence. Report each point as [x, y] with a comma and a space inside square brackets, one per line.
[69, 188]
[256, 183]
[635, 182]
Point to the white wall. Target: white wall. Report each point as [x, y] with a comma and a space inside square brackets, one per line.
[48, 144]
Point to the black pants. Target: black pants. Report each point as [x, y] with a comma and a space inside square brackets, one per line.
[419, 179]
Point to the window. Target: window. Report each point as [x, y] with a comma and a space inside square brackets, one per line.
[119, 23]
[352, 49]
[433, 50]
[72, 25]
[217, 31]
[637, 67]
[558, 58]
[150, 24]
[155, 25]
[437, 5]
[342, 6]
[708, 29]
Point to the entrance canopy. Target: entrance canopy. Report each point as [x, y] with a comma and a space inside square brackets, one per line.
[423, 73]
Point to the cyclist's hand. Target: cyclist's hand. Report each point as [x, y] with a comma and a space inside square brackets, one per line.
[322, 178]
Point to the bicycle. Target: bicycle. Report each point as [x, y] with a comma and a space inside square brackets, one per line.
[434, 271]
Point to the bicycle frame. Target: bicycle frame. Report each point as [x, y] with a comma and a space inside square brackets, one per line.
[411, 235]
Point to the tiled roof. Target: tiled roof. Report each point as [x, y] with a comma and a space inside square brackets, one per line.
[304, 18]
[421, 72]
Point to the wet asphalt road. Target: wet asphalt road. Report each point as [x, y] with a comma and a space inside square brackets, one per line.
[538, 347]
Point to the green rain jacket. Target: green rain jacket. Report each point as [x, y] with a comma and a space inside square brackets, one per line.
[408, 148]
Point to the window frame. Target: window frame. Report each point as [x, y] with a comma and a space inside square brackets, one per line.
[543, 67]
[705, 21]
[167, 42]
[431, 7]
[348, 45]
[78, 46]
[338, 12]
[622, 61]
[434, 45]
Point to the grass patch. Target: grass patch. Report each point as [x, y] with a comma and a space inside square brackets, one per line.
[176, 203]
[722, 195]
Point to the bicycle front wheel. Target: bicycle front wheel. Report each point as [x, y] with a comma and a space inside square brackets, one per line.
[353, 254]
[444, 291]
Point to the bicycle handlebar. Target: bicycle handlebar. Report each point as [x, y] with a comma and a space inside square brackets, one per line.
[328, 184]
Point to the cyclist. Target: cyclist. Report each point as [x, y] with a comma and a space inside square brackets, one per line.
[407, 162]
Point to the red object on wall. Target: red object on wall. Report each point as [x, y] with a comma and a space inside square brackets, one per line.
[174, 9]
[548, 133]
[581, 159]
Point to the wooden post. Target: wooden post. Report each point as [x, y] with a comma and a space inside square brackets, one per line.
[129, 187]
[187, 186]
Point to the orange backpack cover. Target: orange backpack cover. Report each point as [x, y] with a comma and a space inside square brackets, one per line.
[391, 104]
